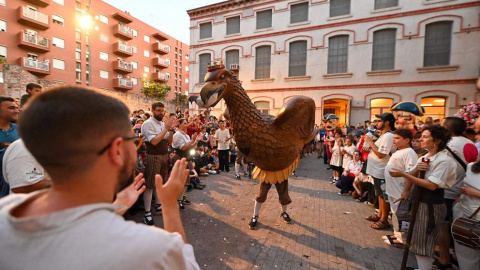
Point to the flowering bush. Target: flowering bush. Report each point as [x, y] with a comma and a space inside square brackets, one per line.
[469, 112]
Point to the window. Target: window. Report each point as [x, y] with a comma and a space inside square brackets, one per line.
[78, 35]
[58, 64]
[186, 80]
[231, 58]
[104, 38]
[187, 69]
[78, 55]
[103, 74]
[58, 42]
[379, 4]
[2, 3]
[233, 25]
[104, 19]
[78, 46]
[146, 53]
[58, 20]
[434, 107]
[339, 7]
[134, 81]
[297, 63]
[78, 76]
[146, 38]
[262, 62]
[134, 48]
[3, 26]
[438, 39]
[187, 56]
[299, 13]
[337, 54]
[205, 30]
[146, 69]
[134, 32]
[262, 106]
[134, 65]
[264, 19]
[1, 75]
[104, 56]
[383, 56]
[78, 66]
[379, 106]
[60, 2]
[204, 60]
[78, 5]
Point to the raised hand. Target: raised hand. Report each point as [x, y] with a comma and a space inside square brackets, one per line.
[170, 191]
[129, 195]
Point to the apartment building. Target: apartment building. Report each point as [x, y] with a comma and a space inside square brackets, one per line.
[355, 58]
[90, 43]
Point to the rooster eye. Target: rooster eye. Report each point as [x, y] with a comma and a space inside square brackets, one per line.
[222, 77]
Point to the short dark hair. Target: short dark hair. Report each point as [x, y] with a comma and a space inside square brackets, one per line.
[456, 125]
[439, 133]
[470, 131]
[157, 104]
[404, 133]
[64, 128]
[30, 86]
[221, 121]
[5, 98]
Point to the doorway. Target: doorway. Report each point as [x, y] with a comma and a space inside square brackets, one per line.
[339, 107]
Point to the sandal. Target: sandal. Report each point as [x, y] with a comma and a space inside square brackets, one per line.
[373, 218]
[380, 225]
[393, 242]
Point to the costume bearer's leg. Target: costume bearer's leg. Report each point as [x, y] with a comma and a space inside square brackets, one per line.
[259, 200]
[284, 199]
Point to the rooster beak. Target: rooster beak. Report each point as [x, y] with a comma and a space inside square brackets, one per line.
[210, 94]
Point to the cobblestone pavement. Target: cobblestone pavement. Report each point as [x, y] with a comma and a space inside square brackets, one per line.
[328, 230]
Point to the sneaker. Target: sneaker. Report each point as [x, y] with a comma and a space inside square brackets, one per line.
[158, 208]
[204, 174]
[253, 222]
[286, 217]
[182, 207]
[245, 174]
[212, 172]
[148, 219]
[237, 176]
[186, 202]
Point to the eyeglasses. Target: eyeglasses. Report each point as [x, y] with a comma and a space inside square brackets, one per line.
[110, 144]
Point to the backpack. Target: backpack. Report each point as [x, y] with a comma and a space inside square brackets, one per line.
[4, 186]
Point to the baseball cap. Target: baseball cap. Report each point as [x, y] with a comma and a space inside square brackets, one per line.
[386, 117]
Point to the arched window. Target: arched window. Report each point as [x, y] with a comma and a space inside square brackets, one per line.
[438, 41]
[297, 64]
[263, 106]
[262, 62]
[202, 69]
[337, 54]
[232, 58]
[434, 107]
[379, 106]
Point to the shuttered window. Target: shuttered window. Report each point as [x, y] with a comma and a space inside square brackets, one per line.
[297, 63]
[383, 56]
[264, 19]
[232, 57]
[262, 62]
[379, 4]
[233, 25]
[337, 54]
[339, 7]
[299, 13]
[205, 30]
[438, 41]
[204, 60]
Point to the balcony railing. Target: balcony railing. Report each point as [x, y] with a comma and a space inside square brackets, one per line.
[159, 76]
[125, 48]
[163, 47]
[160, 62]
[125, 65]
[36, 40]
[234, 67]
[35, 15]
[125, 82]
[43, 65]
[125, 29]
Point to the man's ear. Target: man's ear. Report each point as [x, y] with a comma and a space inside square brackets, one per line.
[116, 151]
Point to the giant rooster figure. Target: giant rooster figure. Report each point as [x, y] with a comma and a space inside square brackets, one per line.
[273, 144]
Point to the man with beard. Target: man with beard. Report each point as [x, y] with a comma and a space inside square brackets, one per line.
[157, 135]
[88, 151]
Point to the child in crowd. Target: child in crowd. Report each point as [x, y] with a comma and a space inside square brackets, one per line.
[348, 150]
[337, 159]
[396, 187]
[212, 140]
[416, 145]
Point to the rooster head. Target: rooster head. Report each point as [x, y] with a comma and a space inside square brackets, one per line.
[218, 83]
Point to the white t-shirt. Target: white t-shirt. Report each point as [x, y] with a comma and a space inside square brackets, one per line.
[88, 237]
[180, 139]
[404, 160]
[347, 158]
[376, 165]
[469, 204]
[20, 168]
[337, 157]
[223, 135]
[441, 169]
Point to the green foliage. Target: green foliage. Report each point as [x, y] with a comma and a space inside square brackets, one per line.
[180, 99]
[3, 60]
[155, 90]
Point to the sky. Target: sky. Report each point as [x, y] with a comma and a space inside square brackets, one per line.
[168, 16]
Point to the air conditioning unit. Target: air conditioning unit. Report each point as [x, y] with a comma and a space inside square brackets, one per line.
[234, 67]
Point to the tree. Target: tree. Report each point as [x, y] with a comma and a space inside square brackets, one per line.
[2, 60]
[180, 99]
[155, 90]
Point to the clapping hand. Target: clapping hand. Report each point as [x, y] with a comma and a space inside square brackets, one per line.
[170, 191]
[129, 195]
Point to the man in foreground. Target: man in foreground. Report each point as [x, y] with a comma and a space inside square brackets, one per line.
[88, 152]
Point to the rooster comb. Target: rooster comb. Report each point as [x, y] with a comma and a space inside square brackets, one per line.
[215, 65]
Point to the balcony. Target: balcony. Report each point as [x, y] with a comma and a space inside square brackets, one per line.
[35, 66]
[234, 67]
[122, 66]
[160, 48]
[40, 3]
[33, 42]
[123, 17]
[122, 84]
[33, 18]
[159, 76]
[160, 36]
[122, 49]
[160, 62]
[122, 31]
